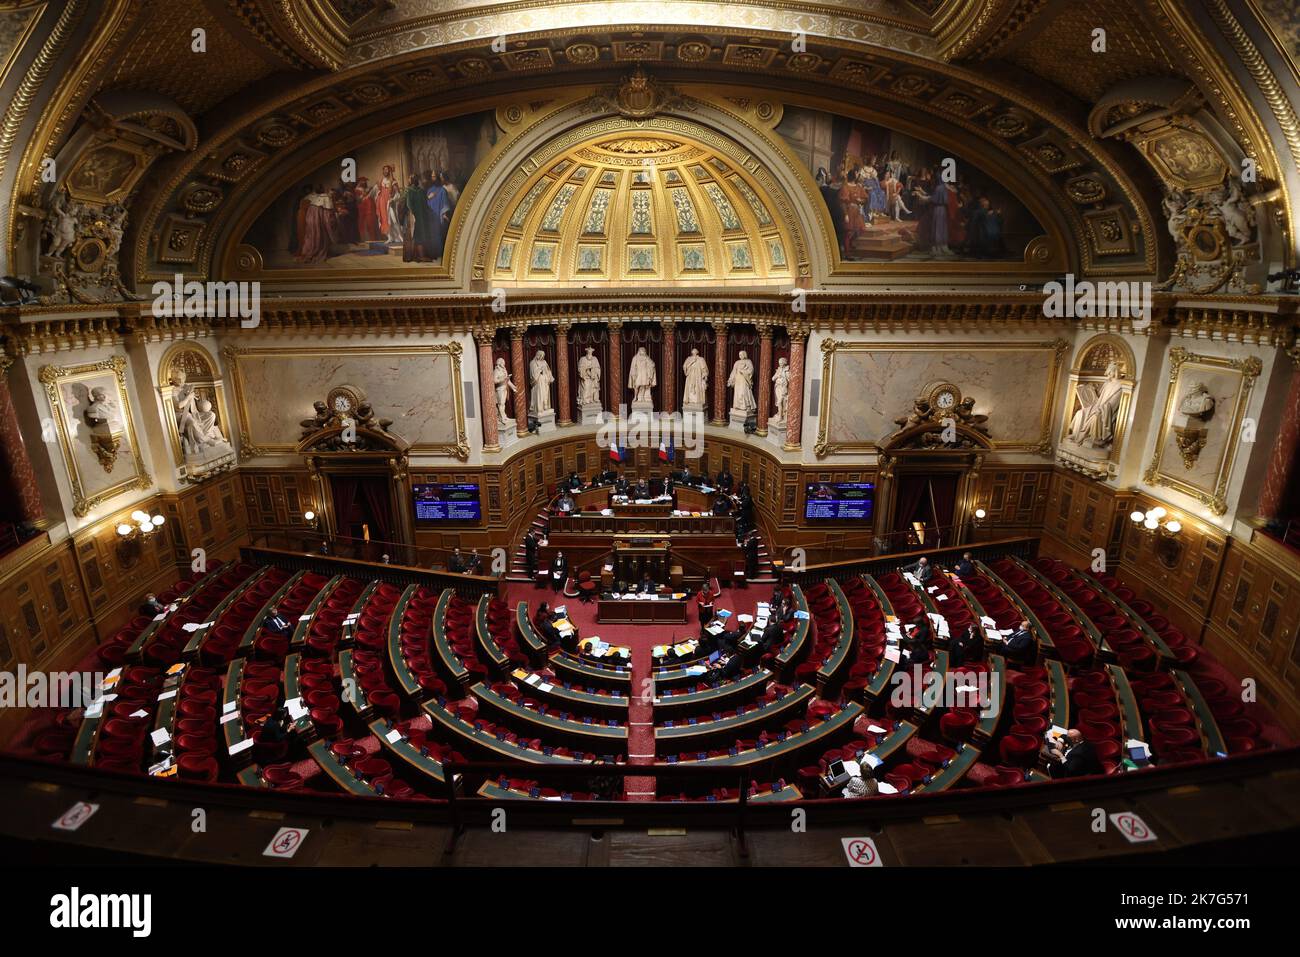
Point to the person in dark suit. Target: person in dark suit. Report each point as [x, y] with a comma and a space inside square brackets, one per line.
[965, 568]
[1020, 644]
[275, 726]
[276, 623]
[456, 563]
[544, 622]
[915, 649]
[965, 646]
[725, 481]
[642, 488]
[726, 668]
[474, 564]
[751, 555]
[566, 505]
[921, 630]
[722, 505]
[530, 553]
[558, 571]
[1077, 759]
[771, 634]
[921, 569]
[620, 484]
[152, 606]
[647, 586]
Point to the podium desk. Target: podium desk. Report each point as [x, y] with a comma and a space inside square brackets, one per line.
[641, 611]
[692, 499]
[592, 499]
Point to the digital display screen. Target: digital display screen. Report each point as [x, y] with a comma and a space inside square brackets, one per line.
[446, 503]
[845, 501]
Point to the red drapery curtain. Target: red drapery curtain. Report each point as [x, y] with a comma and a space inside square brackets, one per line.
[363, 500]
[912, 490]
[378, 503]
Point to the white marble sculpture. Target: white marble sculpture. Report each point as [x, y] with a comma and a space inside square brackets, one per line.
[540, 378]
[695, 392]
[641, 379]
[741, 382]
[780, 391]
[196, 424]
[1093, 423]
[504, 385]
[589, 387]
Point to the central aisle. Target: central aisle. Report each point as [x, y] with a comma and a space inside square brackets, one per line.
[640, 639]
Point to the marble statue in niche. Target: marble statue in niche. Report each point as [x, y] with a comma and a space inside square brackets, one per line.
[540, 378]
[780, 391]
[695, 372]
[196, 422]
[589, 378]
[641, 379]
[741, 382]
[1093, 423]
[503, 384]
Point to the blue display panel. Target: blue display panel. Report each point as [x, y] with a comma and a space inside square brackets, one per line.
[446, 503]
[843, 501]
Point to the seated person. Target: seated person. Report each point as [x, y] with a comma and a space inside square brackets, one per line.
[1020, 644]
[1074, 758]
[620, 484]
[604, 478]
[276, 623]
[915, 649]
[474, 564]
[573, 482]
[771, 635]
[725, 482]
[457, 561]
[275, 726]
[544, 622]
[921, 569]
[861, 787]
[726, 668]
[722, 505]
[566, 504]
[152, 606]
[642, 488]
[966, 567]
[964, 646]
[647, 586]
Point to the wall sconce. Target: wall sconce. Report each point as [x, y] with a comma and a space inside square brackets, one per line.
[310, 518]
[1155, 521]
[144, 525]
[131, 536]
[980, 516]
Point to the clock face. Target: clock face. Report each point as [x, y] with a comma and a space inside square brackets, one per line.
[946, 399]
[342, 403]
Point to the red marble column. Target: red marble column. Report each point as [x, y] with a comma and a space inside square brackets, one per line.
[615, 330]
[720, 375]
[764, 383]
[521, 381]
[668, 366]
[18, 480]
[1285, 459]
[794, 404]
[564, 415]
[487, 390]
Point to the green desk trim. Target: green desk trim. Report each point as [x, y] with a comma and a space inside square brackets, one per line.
[829, 668]
[337, 772]
[233, 731]
[756, 680]
[616, 703]
[407, 752]
[406, 679]
[196, 639]
[251, 777]
[1211, 737]
[1128, 706]
[348, 679]
[793, 743]
[527, 633]
[940, 667]
[1152, 636]
[137, 646]
[486, 641]
[799, 639]
[885, 670]
[962, 762]
[467, 732]
[1044, 640]
[455, 667]
[549, 722]
[250, 633]
[1060, 692]
[1094, 634]
[562, 661]
[778, 710]
[990, 716]
[292, 667]
[300, 630]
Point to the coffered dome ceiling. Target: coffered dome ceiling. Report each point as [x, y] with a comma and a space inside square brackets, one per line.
[641, 206]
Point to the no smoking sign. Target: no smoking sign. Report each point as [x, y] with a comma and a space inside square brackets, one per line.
[1134, 829]
[286, 842]
[861, 852]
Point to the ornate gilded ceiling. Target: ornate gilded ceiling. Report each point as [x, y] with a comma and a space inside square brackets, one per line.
[1008, 82]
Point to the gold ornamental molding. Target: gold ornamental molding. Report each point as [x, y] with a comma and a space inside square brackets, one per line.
[252, 446]
[997, 116]
[52, 377]
[1215, 498]
[830, 346]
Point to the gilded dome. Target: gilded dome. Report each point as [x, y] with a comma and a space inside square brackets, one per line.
[641, 206]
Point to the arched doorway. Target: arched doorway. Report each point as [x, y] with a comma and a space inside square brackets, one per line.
[929, 474]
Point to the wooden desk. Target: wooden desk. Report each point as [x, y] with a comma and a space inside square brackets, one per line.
[643, 509]
[760, 717]
[791, 744]
[407, 683]
[568, 667]
[592, 499]
[408, 753]
[720, 696]
[641, 611]
[447, 657]
[692, 499]
[492, 651]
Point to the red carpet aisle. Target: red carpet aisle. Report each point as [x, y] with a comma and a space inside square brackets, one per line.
[641, 639]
